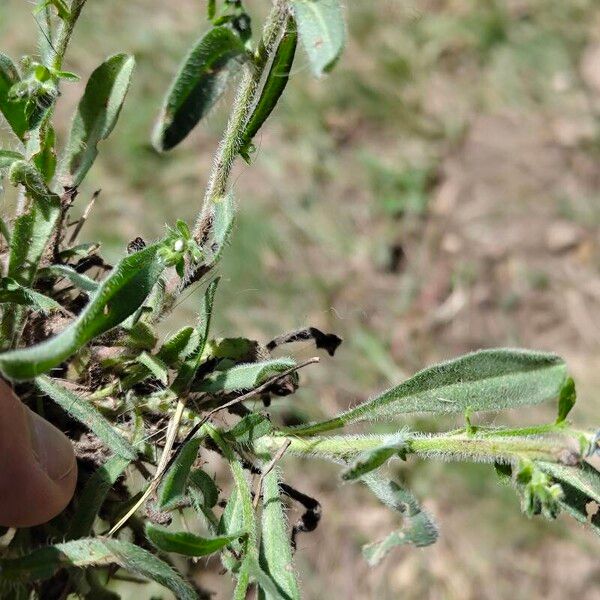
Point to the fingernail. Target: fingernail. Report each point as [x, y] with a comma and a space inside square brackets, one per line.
[52, 448]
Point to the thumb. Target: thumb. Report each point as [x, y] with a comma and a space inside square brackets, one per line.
[38, 470]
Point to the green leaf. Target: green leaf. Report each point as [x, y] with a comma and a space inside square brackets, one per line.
[203, 482]
[222, 217]
[199, 83]
[581, 486]
[249, 429]
[83, 282]
[186, 543]
[117, 297]
[5, 231]
[91, 498]
[174, 484]
[45, 562]
[486, 380]
[275, 549]
[13, 292]
[244, 377]
[43, 153]
[8, 157]
[14, 112]
[418, 529]
[566, 401]
[86, 413]
[33, 229]
[96, 115]
[188, 369]
[274, 85]
[179, 346]
[322, 32]
[155, 366]
[373, 459]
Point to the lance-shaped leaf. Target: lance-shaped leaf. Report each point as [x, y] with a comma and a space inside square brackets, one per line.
[186, 543]
[85, 412]
[13, 292]
[83, 282]
[322, 32]
[200, 82]
[275, 549]
[33, 229]
[487, 380]
[179, 346]
[418, 529]
[581, 487]
[567, 399]
[96, 115]
[366, 462]
[273, 87]
[188, 369]
[174, 484]
[14, 112]
[154, 366]
[93, 495]
[244, 377]
[8, 157]
[45, 562]
[238, 514]
[118, 297]
[249, 429]
[200, 480]
[221, 219]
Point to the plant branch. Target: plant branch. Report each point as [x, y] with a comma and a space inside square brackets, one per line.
[65, 32]
[557, 447]
[244, 102]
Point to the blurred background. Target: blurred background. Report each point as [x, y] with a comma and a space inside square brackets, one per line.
[439, 192]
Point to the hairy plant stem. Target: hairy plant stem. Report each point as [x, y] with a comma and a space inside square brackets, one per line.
[242, 107]
[65, 32]
[502, 446]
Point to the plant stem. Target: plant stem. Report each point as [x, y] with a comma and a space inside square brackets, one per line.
[65, 32]
[558, 447]
[242, 107]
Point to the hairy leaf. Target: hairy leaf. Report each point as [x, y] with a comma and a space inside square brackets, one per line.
[203, 482]
[118, 297]
[11, 291]
[14, 112]
[567, 399]
[8, 157]
[250, 428]
[322, 32]
[275, 549]
[244, 377]
[172, 490]
[186, 543]
[418, 529]
[46, 561]
[188, 369]
[83, 282]
[33, 229]
[581, 488]
[200, 82]
[93, 495]
[222, 218]
[155, 366]
[96, 115]
[373, 459]
[179, 346]
[486, 380]
[274, 85]
[85, 412]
